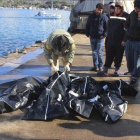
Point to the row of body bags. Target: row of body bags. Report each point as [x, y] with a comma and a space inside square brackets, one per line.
[61, 93]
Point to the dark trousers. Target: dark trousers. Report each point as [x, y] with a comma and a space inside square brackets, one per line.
[132, 51]
[114, 49]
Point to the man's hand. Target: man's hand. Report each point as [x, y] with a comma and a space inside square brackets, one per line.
[66, 68]
[54, 68]
[123, 43]
[101, 37]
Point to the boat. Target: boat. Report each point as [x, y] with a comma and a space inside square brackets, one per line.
[44, 15]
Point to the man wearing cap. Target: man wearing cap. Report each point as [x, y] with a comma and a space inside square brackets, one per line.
[115, 44]
[59, 43]
[111, 7]
[132, 48]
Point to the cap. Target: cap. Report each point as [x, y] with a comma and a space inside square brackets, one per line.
[119, 4]
[137, 3]
[112, 5]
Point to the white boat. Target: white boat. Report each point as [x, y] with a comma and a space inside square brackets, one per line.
[44, 15]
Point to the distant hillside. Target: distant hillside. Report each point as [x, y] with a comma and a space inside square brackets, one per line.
[37, 3]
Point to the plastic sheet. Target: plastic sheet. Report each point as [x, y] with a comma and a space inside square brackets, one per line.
[16, 94]
[50, 103]
[61, 93]
[105, 97]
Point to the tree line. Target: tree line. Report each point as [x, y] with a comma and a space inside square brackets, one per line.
[36, 3]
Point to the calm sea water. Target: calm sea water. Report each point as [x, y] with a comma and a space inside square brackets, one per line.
[19, 29]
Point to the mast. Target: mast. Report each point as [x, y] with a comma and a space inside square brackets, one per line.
[52, 6]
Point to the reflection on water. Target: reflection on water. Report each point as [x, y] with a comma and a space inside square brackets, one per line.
[19, 29]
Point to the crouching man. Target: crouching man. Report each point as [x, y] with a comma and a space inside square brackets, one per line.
[59, 44]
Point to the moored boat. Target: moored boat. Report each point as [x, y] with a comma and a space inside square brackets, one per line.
[44, 15]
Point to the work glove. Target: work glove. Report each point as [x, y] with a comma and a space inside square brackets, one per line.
[67, 68]
[54, 68]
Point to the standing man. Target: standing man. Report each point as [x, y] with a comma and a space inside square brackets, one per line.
[132, 48]
[111, 7]
[96, 30]
[115, 44]
[59, 43]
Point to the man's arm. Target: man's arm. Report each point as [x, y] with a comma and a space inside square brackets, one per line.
[127, 23]
[48, 53]
[88, 27]
[70, 55]
[105, 24]
[126, 26]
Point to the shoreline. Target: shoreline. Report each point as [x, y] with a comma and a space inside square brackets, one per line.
[15, 55]
[34, 9]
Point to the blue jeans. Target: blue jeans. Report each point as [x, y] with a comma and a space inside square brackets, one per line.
[97, 51]
[132, 51]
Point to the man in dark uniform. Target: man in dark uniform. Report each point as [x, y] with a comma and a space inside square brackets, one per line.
[132, 48]
[115, 44]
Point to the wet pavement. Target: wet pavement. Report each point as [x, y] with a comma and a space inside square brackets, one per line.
[72, 128]
[13, 64]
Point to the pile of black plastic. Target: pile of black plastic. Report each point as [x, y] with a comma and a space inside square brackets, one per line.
[62, 93]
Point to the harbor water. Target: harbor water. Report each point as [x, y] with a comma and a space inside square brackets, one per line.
[18, 28]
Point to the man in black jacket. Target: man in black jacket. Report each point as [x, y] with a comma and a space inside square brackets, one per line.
[132, 48]
[96, 30]
[115, 44]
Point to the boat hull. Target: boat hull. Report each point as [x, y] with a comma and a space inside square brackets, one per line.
[47, 17]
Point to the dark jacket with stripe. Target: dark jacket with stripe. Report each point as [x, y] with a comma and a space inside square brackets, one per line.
[96, 26]
[116, 30]
[132, 26]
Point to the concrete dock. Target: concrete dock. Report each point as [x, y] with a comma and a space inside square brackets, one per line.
[72, 128]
